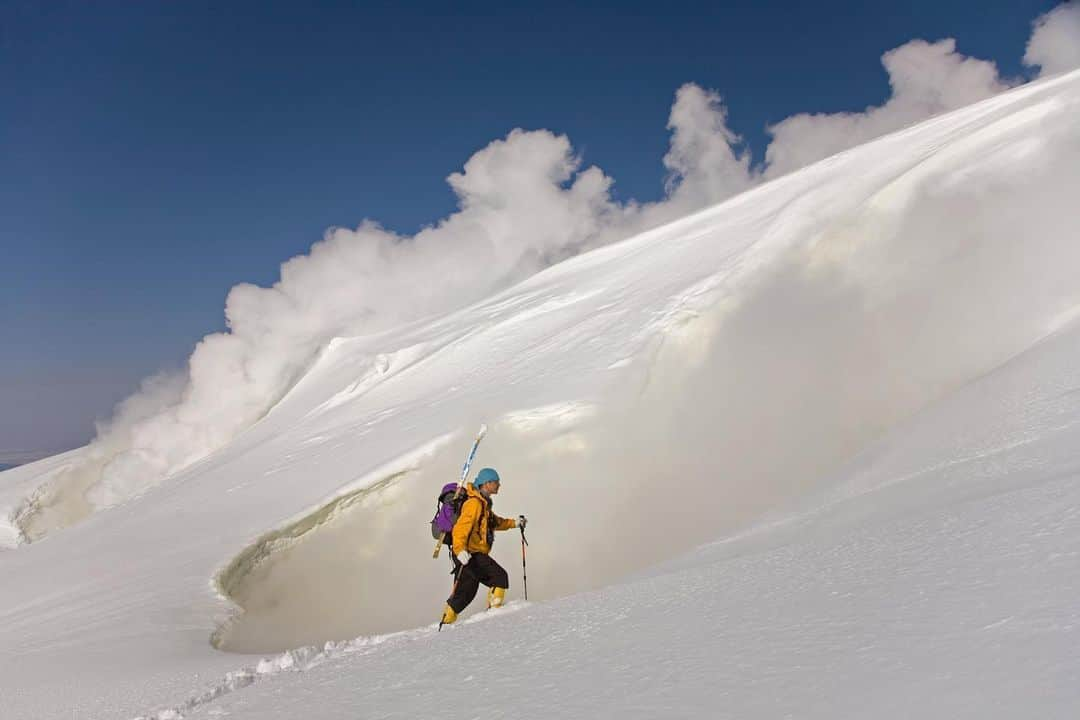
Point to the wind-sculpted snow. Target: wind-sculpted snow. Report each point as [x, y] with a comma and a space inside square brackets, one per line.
[856, 307]
[945, 559]
[22, 491]
[961, 610]
[646, 397]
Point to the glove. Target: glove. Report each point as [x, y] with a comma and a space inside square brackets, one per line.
[522, 521]
[461, 558]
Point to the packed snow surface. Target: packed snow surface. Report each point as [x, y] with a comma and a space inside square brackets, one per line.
[809, 453]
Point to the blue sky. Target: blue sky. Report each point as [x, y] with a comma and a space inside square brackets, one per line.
[152, 155]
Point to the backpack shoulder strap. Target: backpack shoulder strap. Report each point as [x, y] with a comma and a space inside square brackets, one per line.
[480, 512]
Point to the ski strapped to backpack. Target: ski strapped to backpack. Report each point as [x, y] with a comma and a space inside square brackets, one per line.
[448, 511]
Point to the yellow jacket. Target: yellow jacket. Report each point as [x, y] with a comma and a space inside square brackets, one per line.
[475, 528]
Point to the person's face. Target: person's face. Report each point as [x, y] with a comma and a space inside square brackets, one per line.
[490, 488]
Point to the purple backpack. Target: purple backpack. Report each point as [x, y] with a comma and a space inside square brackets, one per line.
[447, 512]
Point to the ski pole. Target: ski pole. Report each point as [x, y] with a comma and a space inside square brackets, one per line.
[453, 590]
[524, 575]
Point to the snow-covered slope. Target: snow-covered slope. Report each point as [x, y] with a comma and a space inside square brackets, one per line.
[941, 581]
[803, 359]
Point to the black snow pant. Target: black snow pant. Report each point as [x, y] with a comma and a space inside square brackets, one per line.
[480, 569]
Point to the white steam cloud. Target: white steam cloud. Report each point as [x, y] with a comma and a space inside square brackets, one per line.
[702, 162]
[926, 79]
[524, 203]
[1055, 42]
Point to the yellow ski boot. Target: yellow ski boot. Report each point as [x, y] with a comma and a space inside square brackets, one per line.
[496, 597]
[448, 616]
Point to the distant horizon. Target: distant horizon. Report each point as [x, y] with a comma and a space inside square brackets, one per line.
[14, 458]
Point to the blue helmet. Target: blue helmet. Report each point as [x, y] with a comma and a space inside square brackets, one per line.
[485, 476]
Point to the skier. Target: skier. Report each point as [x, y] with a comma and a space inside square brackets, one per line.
[473, 535]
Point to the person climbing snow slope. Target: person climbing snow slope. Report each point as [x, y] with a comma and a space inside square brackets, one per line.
[473, 535]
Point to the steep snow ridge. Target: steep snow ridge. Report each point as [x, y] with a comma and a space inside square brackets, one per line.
[720, 382]
[905, 596]
[888, 311]
[21, 489]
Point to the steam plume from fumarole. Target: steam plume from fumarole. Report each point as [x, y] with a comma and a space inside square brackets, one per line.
[874, 313]
[524, 204]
